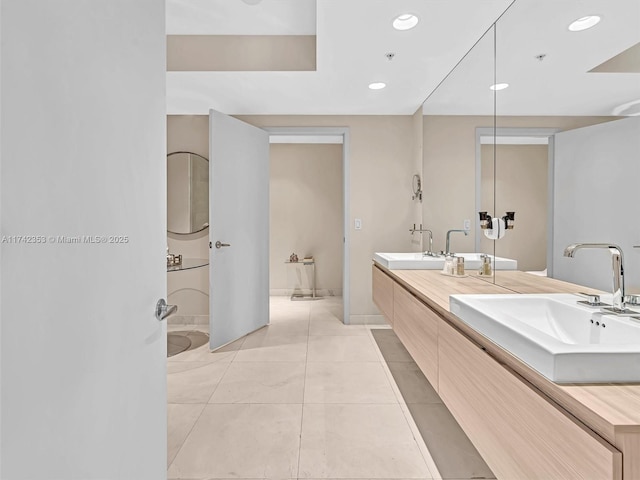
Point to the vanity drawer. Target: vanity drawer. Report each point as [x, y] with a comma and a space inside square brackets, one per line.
[520, 434]
[416, 325]
[383, 293]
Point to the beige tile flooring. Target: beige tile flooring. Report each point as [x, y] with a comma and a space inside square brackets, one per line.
[304, 398]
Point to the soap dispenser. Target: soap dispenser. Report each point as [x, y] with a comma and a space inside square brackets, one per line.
[447, 268]
[485, 265]
[460, 266]
[454, 265]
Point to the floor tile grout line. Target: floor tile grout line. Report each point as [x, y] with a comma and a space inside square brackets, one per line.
[413, 427]
[233, 360]
[345, 361]
[235, 352]
[204, 406]
[306, 360]
[304, 386]
[387, 371]
[200, 365]
[203, 409]
[220, 381]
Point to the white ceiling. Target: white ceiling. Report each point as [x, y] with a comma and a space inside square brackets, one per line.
[353, 37]
[560, 84]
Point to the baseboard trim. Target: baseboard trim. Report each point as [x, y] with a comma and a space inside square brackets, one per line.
[320, 292]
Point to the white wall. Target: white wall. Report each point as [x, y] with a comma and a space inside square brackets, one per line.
[597, 170]
[83, 125]
[418, 241]
[306, 217]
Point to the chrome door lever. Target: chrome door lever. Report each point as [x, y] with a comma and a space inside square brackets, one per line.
[163, 310]
[219, 244]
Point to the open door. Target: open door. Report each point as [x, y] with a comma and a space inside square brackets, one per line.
[238, 228]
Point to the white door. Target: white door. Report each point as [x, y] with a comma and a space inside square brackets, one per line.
[83, 223]
[239, 228]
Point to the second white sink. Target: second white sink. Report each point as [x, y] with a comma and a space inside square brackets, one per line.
[419, 261]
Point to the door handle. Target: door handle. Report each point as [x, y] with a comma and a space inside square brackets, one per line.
[163, 310]
[219, 244]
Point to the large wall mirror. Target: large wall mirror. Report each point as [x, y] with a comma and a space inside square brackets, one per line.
[542, 119]
[187, 193]
[453, 194]
[568, 143]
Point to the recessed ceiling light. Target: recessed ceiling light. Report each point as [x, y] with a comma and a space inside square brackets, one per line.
[584, 23]
[377, 85]
[499, 86]
[406, 21]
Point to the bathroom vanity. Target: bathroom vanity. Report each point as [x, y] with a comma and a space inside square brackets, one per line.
[524, 425]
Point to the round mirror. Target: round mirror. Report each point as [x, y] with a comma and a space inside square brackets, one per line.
[187, 193]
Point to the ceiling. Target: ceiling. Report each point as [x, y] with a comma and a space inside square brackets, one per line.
[562, 83]
[353, 37]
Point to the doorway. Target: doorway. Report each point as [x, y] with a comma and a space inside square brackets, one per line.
[305, 221]
[514, 171]
[309, 215]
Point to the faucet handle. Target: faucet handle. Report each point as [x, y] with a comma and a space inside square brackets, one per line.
[592, 300]
[632, 300]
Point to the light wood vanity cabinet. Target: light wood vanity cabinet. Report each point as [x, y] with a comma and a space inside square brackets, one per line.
[383, 293]
[417, 328]
[520, 431]
[520, 434]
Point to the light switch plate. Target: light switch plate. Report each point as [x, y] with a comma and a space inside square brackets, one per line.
[357, 224]
[467, 224]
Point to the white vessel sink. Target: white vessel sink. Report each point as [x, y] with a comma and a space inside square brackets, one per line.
[418, 261]
[564, 341]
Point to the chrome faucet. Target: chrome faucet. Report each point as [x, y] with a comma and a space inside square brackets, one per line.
[447, 251]
[618, 270]
[429, 252]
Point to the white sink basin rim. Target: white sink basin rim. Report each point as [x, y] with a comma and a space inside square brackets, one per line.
[419, 261]
[564, 341]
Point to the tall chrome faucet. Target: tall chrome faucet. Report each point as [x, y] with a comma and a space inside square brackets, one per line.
[618, 269]
[430, 251]
[447, 250]
[413, 230]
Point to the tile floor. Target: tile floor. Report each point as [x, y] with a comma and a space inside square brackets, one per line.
[304, 398]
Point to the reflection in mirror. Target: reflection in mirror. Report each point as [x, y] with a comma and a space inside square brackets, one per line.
[449, 152]
[579, 90]
[516, 151]
[187, 193]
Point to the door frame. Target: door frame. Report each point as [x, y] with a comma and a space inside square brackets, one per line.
[346, 191]
[495, 132]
